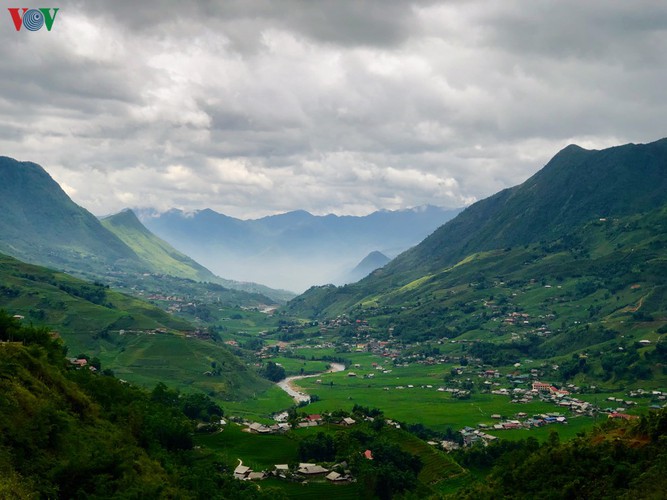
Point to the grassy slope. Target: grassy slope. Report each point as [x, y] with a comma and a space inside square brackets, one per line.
[93, 328]
[158, 254]
[160, 257]
[183, 363]
[58, 300]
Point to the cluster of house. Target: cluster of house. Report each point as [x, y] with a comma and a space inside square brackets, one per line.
[166, 298]
[338, 473]
[257, 428]
[528, 422]
[470, 437]
[156, 331]
[282, 425]
[549, 393]
[199, 333]
[522, 421]
[658, 397]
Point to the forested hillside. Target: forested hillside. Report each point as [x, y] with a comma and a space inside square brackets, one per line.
[82, 434]
[620, 459]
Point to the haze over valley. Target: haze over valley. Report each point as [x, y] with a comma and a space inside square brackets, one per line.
[295, 250]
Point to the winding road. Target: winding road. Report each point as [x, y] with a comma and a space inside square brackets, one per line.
[287, 384]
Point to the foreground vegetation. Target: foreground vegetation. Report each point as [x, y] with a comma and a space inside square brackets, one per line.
[85, 435]
[617, 460]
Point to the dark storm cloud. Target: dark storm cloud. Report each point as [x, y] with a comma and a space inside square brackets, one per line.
[253, 107]
[344, 22]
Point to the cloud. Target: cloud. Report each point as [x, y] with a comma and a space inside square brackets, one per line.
[258, 107]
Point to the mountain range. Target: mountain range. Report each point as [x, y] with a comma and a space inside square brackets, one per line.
[592, 221]
[40, 224]
[293, 250]
[138, 340]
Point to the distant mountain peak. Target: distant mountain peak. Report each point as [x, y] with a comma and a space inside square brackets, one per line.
[368, 264]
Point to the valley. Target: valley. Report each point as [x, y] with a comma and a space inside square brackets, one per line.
[532, 322]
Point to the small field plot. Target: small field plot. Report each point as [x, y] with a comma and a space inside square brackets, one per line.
[257, 451]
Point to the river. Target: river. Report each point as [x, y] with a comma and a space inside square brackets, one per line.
[287, 384]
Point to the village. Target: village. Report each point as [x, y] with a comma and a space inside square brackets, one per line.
[304, 471]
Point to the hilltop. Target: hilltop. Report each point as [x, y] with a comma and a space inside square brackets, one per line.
[368, 264]
[41, 224]
[161, 257]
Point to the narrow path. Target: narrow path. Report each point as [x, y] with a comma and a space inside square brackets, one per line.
[287, 384]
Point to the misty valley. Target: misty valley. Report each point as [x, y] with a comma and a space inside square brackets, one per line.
[511, 349]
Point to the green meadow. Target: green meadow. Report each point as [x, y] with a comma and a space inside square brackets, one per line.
[260, 405]
[257, 451]
[391, 392]
[297, 366]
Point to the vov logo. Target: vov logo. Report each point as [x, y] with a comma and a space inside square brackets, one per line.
[33, 19]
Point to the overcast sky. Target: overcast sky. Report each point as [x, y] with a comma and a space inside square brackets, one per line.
[257, 107]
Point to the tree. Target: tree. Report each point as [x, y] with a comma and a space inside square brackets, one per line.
[273, 372]
[318, 448]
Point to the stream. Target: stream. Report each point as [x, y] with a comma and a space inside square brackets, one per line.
[287, 385]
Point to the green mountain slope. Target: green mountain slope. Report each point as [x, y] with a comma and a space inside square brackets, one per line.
[581, 289]
[139, 341]
[159, 255]
[74, 307]
[41, 224]
[576, 187]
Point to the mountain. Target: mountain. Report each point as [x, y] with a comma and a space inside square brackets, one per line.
[597, 217]
[41, 224]
[576, 186]
[370, 263]
[162, 257]
[165, 259]
[292, 250]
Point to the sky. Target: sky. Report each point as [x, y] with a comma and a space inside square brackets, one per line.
[257, 107]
